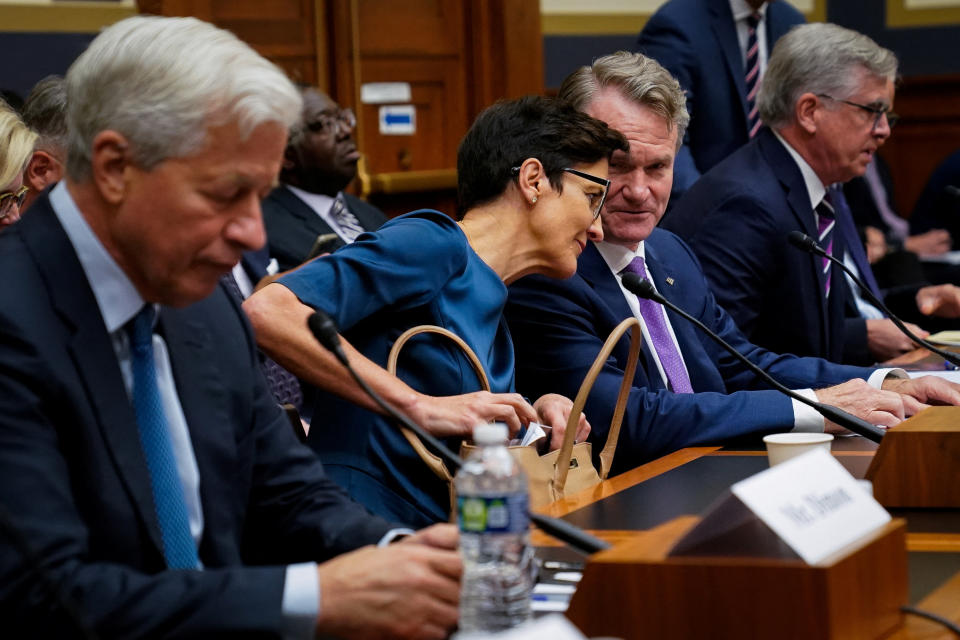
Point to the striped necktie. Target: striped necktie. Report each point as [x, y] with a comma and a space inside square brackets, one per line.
[753, 74]
[179, 549]
[826, 221]
[350, 227]
[655, 319]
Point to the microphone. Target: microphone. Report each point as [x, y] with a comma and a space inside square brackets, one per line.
[643, 289]
[952, 190]
[325, 331]
[806, 243]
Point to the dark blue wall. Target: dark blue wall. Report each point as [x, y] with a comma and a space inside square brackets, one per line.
[922, 51]
[28, 57]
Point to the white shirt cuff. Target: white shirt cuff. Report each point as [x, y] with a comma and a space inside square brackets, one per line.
[877, 377]
[301, 601]
[805, 418]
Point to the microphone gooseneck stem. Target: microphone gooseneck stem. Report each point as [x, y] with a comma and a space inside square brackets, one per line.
[324, 330]
[642, 288]
[806, 243]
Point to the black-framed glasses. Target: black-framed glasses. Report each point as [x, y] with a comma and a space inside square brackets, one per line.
[596, 200]
[878, 112]
[330, 120]
[10, 198]
[593, 197]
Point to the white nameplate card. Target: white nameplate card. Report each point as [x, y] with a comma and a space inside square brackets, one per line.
[813, 504]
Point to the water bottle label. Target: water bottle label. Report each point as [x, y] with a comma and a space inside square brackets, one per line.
[493, 514]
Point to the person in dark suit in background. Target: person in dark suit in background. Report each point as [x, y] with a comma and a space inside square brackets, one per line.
[938, 206]
[45, 111]
[825, 99]
[706, 45]
[686, 391]
[160, 488]
[319, 162]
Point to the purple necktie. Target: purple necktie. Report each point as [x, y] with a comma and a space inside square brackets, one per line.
[656, 321]
[826, 221]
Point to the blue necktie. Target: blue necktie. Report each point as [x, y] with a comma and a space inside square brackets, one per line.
[179, 549]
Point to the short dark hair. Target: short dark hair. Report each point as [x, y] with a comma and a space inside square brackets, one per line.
[45, 111]
[509, 132]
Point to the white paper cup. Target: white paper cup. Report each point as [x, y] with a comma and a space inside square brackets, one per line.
[783, 446]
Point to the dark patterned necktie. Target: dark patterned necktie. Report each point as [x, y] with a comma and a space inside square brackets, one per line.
[753, 74]
[179, 550]
[826, 221]
[350, 227]
[656, 321]
[282, 384]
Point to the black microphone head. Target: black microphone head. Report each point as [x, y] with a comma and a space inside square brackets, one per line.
[640, 287]
[952, 191]
[325, 331]
[802, 241]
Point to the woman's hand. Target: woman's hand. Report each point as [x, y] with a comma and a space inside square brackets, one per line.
[553, 410]
[458, 415]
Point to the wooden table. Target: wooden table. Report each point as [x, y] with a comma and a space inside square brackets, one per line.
[688, 481]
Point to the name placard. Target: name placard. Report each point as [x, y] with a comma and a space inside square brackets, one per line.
[813, 504]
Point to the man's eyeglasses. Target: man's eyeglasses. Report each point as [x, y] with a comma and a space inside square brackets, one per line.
[330, 120]
[10, 198]
[596, 199]
[878, 112]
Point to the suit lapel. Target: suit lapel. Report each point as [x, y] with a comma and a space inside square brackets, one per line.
[788, 173]
[594, 270]
[205, 403]
[725, 29]
[370, 219]
[300, 210]
[92, 351]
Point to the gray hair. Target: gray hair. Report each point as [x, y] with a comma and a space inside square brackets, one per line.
[162, 82]
[818, 58]
[639, 78]
[45, 111]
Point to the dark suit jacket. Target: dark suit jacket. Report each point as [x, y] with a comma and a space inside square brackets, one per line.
[736, 219]
[292, 226]
[73, 475]
[696, 41]
[559, 326]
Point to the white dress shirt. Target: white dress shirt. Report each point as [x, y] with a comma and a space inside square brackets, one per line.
[322, 206]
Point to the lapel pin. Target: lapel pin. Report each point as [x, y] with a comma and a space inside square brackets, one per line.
[670, 281]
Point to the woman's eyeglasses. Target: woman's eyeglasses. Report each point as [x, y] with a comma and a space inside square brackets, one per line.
[596, 199]
[11, 198]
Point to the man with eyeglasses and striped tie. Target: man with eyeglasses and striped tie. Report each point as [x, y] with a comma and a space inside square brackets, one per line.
[718, 51]
[309, 213]
[826, 102]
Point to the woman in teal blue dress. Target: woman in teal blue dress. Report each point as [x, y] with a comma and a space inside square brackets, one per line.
[532, 178]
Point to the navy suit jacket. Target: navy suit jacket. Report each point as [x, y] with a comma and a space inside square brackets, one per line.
[292, 226]
[559, 326]
[74, 479]
[736, 218]
[696, 41]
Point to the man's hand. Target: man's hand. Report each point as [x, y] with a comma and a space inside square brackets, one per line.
[458, 415]
[919, 393]
[886, 341]
[931, 243]
[876, 244]
[860, 399]
[407, 590]
[942, 300]
[553, 410]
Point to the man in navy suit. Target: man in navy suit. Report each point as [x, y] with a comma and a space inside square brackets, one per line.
[705, 44]
[825, 98]
[686, 391]
[152, 485]
[319, 162]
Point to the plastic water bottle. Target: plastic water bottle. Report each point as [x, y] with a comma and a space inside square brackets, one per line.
[498, 563]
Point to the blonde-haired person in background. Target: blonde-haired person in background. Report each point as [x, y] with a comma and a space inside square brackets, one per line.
[16, 143]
